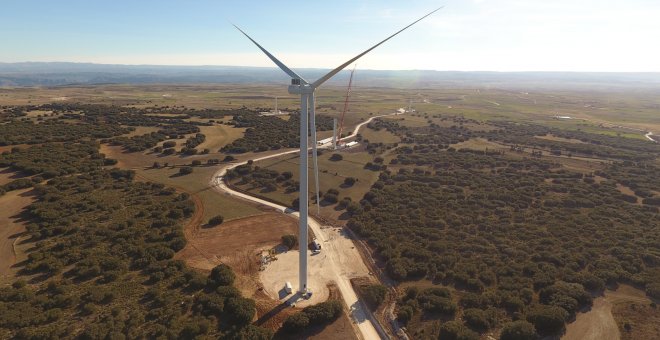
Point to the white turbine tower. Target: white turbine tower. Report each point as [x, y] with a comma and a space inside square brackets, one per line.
[307, 115]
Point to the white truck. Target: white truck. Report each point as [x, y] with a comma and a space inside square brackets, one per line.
[288, 288]
[316, 246]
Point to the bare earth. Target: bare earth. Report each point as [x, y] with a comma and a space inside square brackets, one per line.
[598, 323]
[236, 242]
[12, 204]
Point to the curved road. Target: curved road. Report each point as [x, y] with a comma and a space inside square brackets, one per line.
[359, 313]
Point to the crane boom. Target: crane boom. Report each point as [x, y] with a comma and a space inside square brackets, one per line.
[343, 113]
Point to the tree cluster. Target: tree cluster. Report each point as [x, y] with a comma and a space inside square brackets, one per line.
[500, 229]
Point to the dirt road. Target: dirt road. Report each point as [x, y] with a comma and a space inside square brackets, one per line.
[342, 259]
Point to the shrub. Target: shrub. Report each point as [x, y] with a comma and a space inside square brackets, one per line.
[476, 319]
[321, 313]
[252, 332]
[349, 181]
[548, 320]
[222, 275]
[518, 330]
[216, 220]
[241, 310]
[185, 170]
[290, 241]
[336, 157]
[454, 330]
[404, 314]
[330, 198]
[374, 295]
[296, 323]
[196, 162]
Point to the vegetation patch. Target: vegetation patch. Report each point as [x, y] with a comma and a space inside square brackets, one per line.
[515, 237]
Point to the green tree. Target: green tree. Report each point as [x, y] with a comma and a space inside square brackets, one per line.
[241, 310]
[349, 181]
[548, 320]
[454, 330]
[289, 241]
[518, 330]
[374, 295]
[296, 323]
[185, 170]
[216, 220]
[222, 275]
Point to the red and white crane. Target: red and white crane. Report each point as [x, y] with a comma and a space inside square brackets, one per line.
[343, 113]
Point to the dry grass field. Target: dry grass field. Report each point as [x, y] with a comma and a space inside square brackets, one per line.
[237, 242]
[598, 111]
[331, 176]
[196, 183]
[218, 136]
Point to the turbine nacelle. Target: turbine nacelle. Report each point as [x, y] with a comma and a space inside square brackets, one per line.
[300, 88]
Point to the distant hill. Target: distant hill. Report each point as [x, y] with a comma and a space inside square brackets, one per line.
[64, 73]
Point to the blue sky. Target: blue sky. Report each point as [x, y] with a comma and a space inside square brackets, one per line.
[496, 35]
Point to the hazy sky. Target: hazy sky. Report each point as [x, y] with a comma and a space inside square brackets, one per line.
[497, 35]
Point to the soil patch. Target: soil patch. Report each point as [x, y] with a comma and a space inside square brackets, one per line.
[236, 242]
[12, 228]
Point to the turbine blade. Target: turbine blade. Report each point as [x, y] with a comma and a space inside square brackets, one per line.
[342, 66]
[275, 60]
[312, 127]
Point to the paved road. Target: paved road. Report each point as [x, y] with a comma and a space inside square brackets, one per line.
[334, 249]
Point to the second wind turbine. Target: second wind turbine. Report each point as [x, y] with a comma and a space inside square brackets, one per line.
[307, 115]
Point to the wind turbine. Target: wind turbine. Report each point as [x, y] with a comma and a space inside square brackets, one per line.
[307, 115]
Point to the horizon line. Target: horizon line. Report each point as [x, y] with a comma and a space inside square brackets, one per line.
[314, 68]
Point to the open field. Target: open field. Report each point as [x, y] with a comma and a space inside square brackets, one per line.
[195, 183]
[480, 144]
[141, 130]
[593, 108]
[382, 136]
[11, 228]
[218, 136]
[560, 139]
[238, 242]
[331, 176]
[7, 175]
[599, 322]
